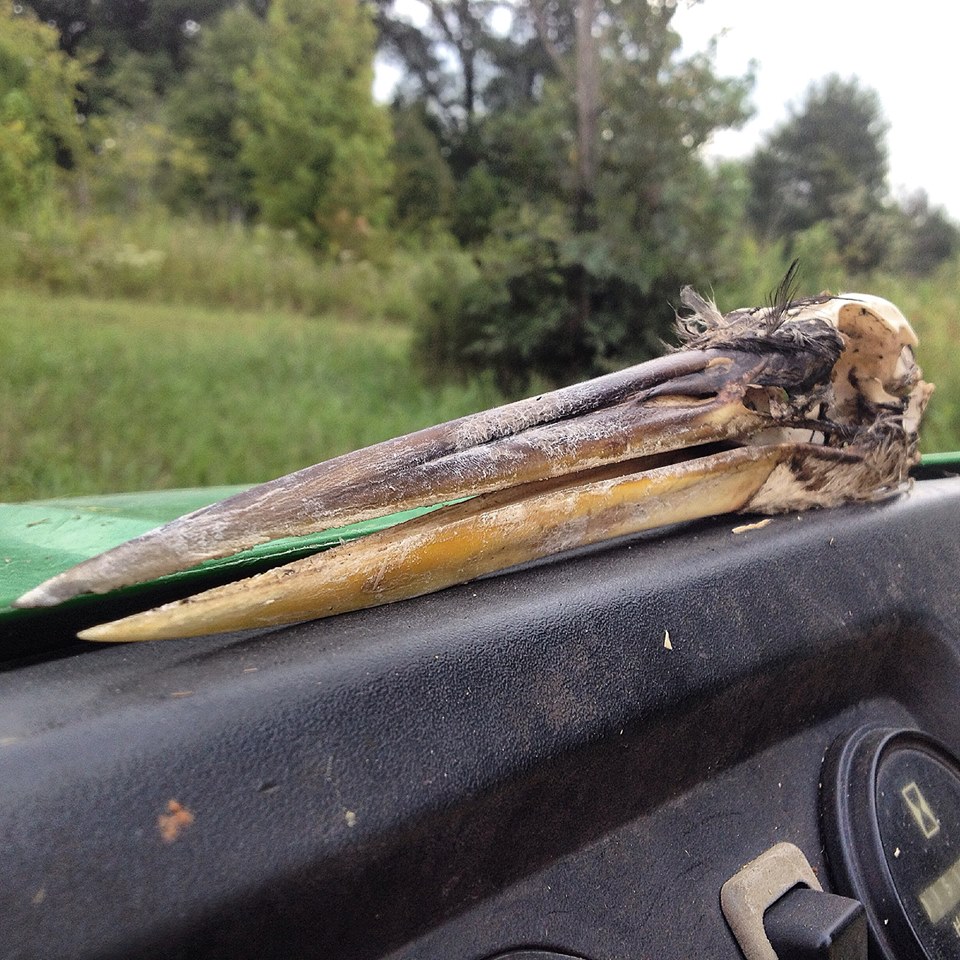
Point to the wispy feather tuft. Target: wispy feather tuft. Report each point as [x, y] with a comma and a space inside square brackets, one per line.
[704, 316]
[781, 298]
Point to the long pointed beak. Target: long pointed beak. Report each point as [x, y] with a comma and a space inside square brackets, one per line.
[721, 426]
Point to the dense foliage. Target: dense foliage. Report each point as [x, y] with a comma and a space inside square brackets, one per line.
[39, 97]
[313, 139]
[579, 187]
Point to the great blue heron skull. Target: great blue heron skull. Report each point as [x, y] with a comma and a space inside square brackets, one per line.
[798, 404]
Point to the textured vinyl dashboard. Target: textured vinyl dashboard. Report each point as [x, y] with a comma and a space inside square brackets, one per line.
[571, 757]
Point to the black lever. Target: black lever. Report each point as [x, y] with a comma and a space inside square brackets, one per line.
[807, 924]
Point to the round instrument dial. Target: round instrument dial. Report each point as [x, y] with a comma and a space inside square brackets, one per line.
[891, 818]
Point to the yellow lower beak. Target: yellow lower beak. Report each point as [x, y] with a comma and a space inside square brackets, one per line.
[459, 543]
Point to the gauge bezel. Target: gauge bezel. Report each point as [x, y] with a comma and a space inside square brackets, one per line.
[851, 831]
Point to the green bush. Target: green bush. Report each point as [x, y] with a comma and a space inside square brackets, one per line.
[422, 182]
[552, 303]
[505, 311]
[155, 257]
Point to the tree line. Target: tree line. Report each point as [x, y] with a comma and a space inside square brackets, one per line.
[546, 154]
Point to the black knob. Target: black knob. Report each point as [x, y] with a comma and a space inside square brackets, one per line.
[807, 924]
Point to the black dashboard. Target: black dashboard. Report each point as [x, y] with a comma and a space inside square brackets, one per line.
[570, 759]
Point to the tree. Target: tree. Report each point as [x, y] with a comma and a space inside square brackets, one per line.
[161, 32]
[463, 65]
[619, 210]
[146, 26]
[926, 236]
[206, 104]
[447, 59]
[422, 185]
[826, 163]
[39, 94]
[315, 142]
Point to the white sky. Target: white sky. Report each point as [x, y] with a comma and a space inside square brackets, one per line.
[908, 53]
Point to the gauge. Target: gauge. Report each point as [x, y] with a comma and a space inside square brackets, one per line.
[891, 820]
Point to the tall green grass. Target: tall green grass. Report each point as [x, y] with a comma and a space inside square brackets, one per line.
[155, 353]
[99, 396]
[154, 257]
[932, 304]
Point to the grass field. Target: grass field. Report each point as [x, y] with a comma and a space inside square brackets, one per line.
[100, 396]
[104, 396]
[932, 305]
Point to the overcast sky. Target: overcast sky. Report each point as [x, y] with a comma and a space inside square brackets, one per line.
[908, 53]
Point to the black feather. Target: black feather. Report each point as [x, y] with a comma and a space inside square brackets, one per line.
[781, 298]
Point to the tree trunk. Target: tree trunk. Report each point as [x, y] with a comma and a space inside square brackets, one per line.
[587, 95]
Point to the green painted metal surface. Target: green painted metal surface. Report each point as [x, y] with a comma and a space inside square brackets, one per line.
[44, 537]
[947, 459]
